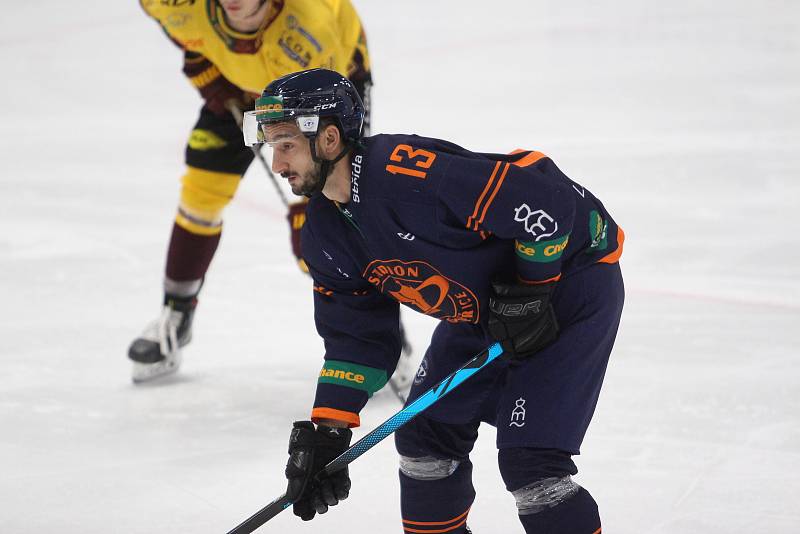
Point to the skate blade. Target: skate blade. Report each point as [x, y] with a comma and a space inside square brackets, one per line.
[146, 372]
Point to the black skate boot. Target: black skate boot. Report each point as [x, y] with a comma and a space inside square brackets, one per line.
[157, 352]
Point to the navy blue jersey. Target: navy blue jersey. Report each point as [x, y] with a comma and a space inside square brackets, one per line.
[429, 225]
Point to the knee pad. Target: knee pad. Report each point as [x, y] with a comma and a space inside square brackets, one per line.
[203, 198]
[427, 467]
[538, 478]
[544, 494]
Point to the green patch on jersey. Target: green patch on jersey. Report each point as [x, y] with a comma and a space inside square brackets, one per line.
[352, 375]
[598, 232]
[541, 251]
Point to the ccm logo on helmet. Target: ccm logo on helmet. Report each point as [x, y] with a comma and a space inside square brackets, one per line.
[322, 107]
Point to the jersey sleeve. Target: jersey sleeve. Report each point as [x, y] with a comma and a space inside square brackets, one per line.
[523, 199]
[361, 332]
[209, 81]
[214, 88]
[159, 12]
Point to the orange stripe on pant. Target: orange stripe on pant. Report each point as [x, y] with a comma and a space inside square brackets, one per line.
[420, 531]
[448, 525]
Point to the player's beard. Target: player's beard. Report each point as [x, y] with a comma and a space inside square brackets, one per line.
[309, 182]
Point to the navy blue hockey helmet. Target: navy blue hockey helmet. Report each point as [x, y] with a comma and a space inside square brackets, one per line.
[305, 97]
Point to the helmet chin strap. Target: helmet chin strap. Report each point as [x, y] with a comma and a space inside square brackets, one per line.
[326, 165]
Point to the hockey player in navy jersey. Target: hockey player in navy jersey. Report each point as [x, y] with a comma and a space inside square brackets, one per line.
[498, 247]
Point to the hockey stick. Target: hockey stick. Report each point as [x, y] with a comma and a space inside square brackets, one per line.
[238, 116]
[422, 403]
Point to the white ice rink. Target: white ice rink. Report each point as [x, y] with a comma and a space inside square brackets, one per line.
[683, 116]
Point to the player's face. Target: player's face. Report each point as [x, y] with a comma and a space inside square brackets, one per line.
[291, 157]
[240, 10]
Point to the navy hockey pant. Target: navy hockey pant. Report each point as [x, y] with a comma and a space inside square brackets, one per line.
[540, 407]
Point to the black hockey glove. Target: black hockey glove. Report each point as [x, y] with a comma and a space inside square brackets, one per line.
[309, 451]
[521, 318]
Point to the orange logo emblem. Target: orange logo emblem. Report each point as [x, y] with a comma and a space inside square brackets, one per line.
[421, 286]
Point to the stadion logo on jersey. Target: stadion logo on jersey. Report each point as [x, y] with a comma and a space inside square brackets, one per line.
[538, 223]
[421, 286]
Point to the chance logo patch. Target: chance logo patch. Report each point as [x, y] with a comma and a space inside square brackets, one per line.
[542, 251]
[352, 375]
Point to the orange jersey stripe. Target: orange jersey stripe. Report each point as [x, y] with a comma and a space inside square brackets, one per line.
[534, 282]
[528, 160]
[352, 419]
[480, 198]
[598, 531]
[614, 256]
[462, 516]
[494, 193]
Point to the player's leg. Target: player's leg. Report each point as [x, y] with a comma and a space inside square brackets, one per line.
[435, 471]
[216, 158]
[436, 490]
[548, 401]
[547, 498]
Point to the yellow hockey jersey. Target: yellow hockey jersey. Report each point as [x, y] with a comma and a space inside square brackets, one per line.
[295, 35]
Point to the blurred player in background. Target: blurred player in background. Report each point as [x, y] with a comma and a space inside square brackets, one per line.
[232, 49]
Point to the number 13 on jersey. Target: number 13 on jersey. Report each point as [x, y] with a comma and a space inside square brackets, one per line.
[412, 160]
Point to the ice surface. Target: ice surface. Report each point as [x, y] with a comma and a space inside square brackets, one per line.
[683, 116]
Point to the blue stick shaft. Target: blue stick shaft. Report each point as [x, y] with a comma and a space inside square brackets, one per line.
[423, 402]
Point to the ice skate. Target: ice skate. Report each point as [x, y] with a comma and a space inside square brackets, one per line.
[157, 352]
